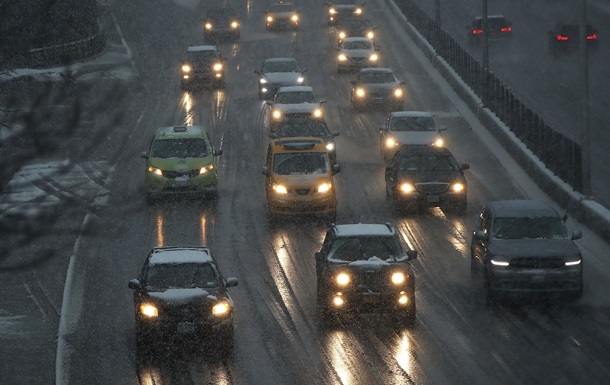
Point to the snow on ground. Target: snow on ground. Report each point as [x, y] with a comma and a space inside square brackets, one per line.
[11, 327]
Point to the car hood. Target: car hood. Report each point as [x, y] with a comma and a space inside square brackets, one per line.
[304, 181]
[179, 164]
[297, 107]
[534, 247]
[414, 137]
[282, 15]
[357, 52]
[183, 296]
[429, 176]
[283, 77]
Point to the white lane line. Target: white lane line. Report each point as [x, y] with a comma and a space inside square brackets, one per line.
[33, 298]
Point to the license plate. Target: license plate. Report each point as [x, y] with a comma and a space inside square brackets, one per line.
[185, 327]
[370, 299]
[181, 181]
[302, 205]
[433, 198]
[537, 278]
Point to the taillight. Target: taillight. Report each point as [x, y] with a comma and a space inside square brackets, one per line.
[477, 31]
[562, 38]
[592, 37]
[506, 29]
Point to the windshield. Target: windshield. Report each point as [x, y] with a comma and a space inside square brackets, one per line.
[427, 163]
[376, 77]
[281, 8]
[206, 55]
[300, 163]
[413, 124]
[537, 228]
[281, 66]
[359, 44]
[221, 13]
[316, 130]
[180, 276]
[363, 248]
[179, 148]
[357, 26]
[295, 97]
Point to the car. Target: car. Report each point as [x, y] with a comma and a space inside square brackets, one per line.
[299, 178]
[181, 295]
[202, 64]
[363, 268]
[522, 248]
[409, 127]
[309, 127]
[294, 102]
[355, 28]
[339, 10]
[499, 28]
[278, 72]
[377, 86]
[221, 22]
[355, 53]
[565, 38]
[282, 15]
[181, 159]
[418, 177]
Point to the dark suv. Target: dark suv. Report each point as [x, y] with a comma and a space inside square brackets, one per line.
[221, 22]
[566, 37]
[363, 267]
[523, 247]
[202, 64]
[181, 293]
[499, 28]
[375, 86]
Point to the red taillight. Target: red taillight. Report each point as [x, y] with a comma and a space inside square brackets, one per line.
[592, 37]
[477, 31]
[506, 29]
[561, 38]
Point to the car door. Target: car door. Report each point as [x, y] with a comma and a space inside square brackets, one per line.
[479, 245]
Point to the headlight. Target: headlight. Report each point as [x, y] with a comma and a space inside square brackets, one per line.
[221, 308]
[398, 278]
[391, 142]
[342, 57]
[407, 187]
[277, 114]
[439, 142]
[300, 79]
[358, 11]
[155, 171]
[234, 24]
[341, 35]
[324, 187]
[332, 11]
[330, 146]
[499, 261]
[149, 310]
[263, 81]
[217, 66]
[457, 187]
[370, 35]
[317, 113]
[269, 19]
[360, 92]
[278, 188]
[373, 57]
[342, 279]
[186, 68]
[573, 263]
[205, 169]
[208, 25]
[295, 18]
[398, 92]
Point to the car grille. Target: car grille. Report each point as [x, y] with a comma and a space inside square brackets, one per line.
[296, 115]
[370, 279]
[301, 191]
[183, 313]
[537, 263]
[176, 174]
[432, 188]
[358, 59]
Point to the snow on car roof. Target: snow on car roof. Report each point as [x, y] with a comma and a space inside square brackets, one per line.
[385, 70]
[295, 89]
[522, 208]
[411, 114]
[181, 131]
[280, 59]
[361, 229]
[202, 48]
[177, 255]
[356, 38]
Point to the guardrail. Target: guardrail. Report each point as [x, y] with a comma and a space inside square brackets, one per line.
[561, 155]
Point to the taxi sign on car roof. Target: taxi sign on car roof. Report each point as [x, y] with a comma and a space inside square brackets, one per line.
[299, 144]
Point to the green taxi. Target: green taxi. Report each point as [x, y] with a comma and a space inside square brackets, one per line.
[181, 159]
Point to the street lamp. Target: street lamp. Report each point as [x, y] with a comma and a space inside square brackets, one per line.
[585, 136]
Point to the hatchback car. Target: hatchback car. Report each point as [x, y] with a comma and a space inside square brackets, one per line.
[356, 53]
[278, 72]
[181, 295]
[377, 86]
[307, 128]
[499, 28]
[221, 22]
[294, 102]
[407, 128]
[355, 28]
[180, 159]
[282, 15]
[339, 10]
[565, 38]
[299, 178]
[522, 247]
[425, 176]
[202, 64]
[364, 268]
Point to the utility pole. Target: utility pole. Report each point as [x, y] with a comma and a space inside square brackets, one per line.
[585, 135]
[486, 38]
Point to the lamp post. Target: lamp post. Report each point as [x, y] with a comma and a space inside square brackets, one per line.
[585, 136]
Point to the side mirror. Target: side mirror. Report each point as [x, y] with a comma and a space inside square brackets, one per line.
[258, 73]
[133, 284]
[144, 155]
[336, 168]
[273, 135]
[354, 82]
[218, 152]
[265, 171]
[384, 128]
[231, 282]
[442, 128]
[464, 166]
[323, 101]
[304, 70]
[335, 134]
[338, 49]
[480, 234]
[412, 254]
[319, 256]
[377, 47]
[403, 82]
[270, 103]
[576, 234]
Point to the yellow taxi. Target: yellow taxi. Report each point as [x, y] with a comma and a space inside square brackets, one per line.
[300, 177]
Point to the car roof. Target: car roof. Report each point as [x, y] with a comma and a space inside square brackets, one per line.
[297, 144]
[384, 70]
[295, 89]
[196, 48]
[174, 132]
[522, 208]
[411, 114]
[364, 229]
[179, 255]
[279, 59]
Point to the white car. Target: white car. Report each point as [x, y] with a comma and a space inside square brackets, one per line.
[355, 53]
[295, 102]
[278, 72]
[409, 128]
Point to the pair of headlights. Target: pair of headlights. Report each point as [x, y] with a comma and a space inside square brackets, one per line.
[277, 114]
[159, 172]
[151, 311]
[187, 68]
[300, 80]
[505, 262]
[370, 35]
[294, 18]
[391, 142]
[408, 187]
[209, 25]
[281, 189]
[361, 92]
[373, 58]
[397, 278]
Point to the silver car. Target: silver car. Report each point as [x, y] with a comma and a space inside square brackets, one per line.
[295, 102]
[409, 128]
[355, 53]
[278, 72]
